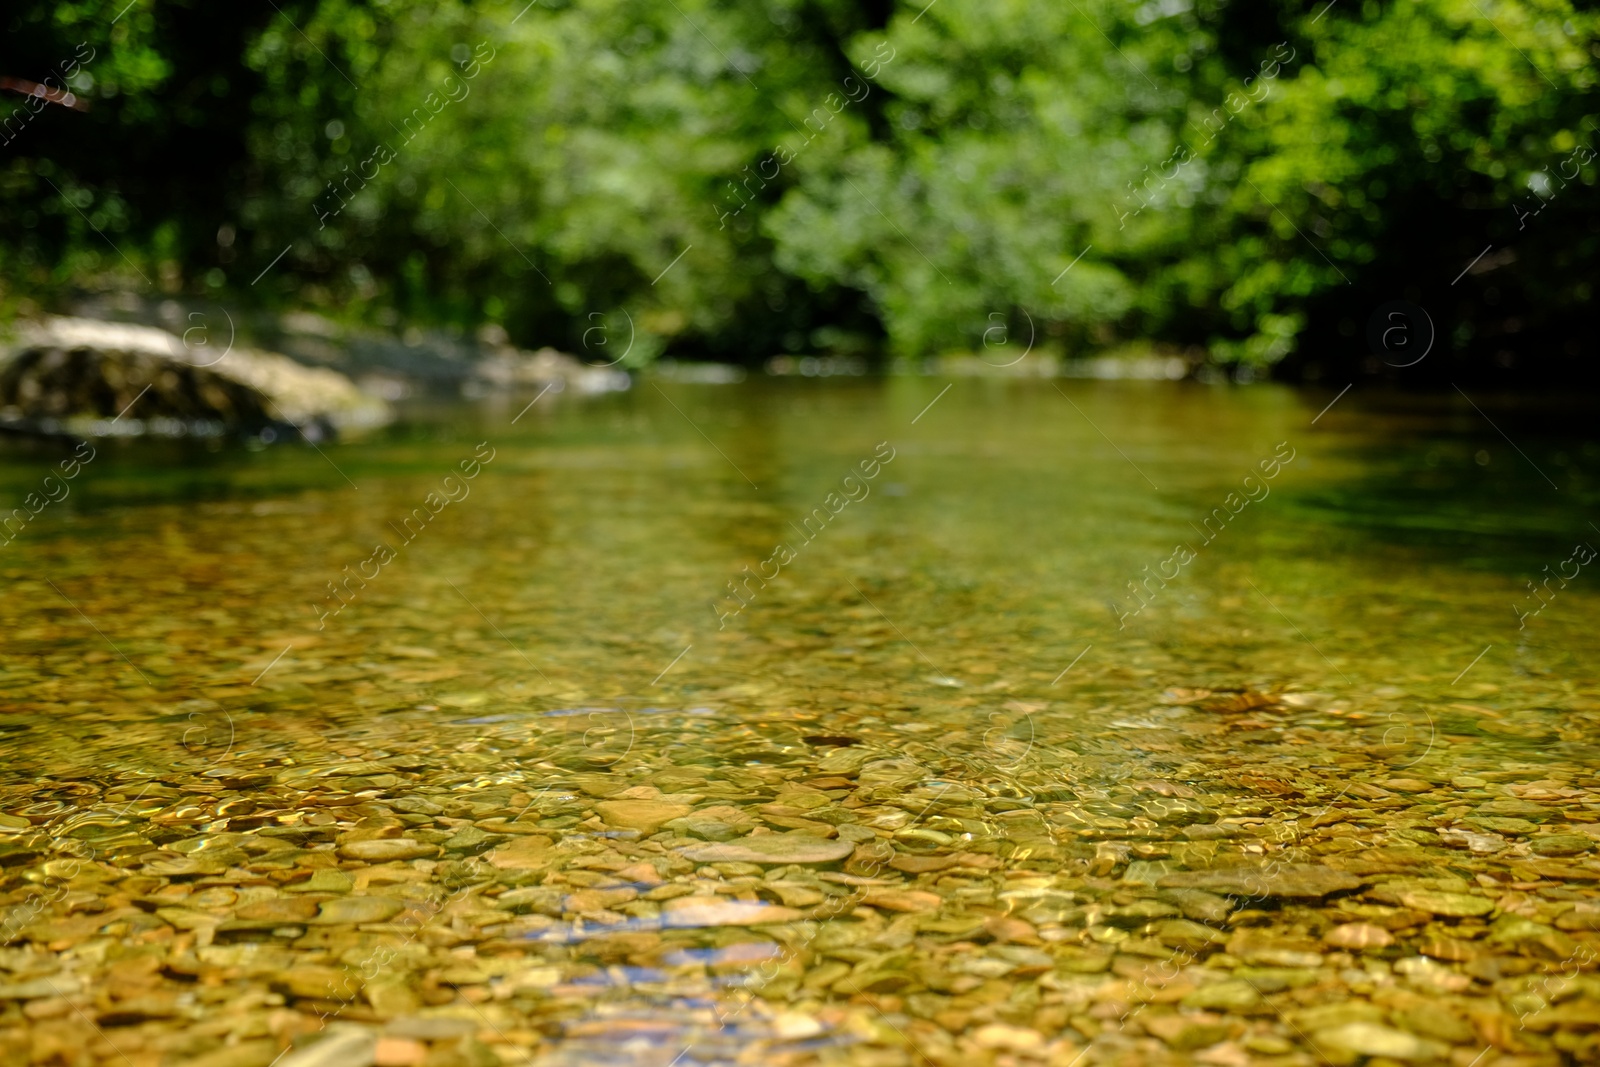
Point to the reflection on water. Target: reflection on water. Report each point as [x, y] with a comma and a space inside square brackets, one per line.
[1006, 698]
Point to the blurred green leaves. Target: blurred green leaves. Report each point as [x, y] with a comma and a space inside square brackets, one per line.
[743, 179]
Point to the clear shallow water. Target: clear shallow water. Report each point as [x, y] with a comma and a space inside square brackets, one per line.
[952, 662]
[600, 536]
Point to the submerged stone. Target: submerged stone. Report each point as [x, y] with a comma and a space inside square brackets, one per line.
[723, 911]
[1375, 1039]
[1265, 881]
[1358, 936]
[359, 910]
[1437, 902]
[1562, 844]
[384, 850]
[646, 816]
[1229, 995]
[280, 909]
[771, 848]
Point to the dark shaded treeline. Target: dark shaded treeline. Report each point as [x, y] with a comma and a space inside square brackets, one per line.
[1246, 184]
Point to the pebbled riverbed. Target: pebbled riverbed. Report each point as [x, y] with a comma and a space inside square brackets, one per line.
[810, 722]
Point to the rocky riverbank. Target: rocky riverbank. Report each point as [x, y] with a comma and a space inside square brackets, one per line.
[90, 376]
[95, 378]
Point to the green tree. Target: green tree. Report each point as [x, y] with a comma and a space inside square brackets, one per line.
[741, 179]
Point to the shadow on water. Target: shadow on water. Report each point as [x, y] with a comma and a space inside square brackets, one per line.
[1497, 488]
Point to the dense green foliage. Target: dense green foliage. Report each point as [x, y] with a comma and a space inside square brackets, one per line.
[1248, 181]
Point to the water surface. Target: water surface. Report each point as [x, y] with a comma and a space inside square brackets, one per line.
[1323, 663]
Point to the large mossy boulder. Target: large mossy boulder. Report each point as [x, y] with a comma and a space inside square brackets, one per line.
[88, 376]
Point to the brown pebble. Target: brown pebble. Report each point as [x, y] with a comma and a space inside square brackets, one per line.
[1007, 928]
[384, 850]
[1448, 948]
[646, 816]
[47, 1008]
[320, 982]
[280, 909]
[902, 899]
[1000, 1037]
[1359, 935]
[398, 1052]
[912, 864]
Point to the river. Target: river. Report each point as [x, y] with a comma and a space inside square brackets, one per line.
[851, 721]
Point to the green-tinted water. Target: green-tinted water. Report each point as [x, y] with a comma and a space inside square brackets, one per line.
[558, 677]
